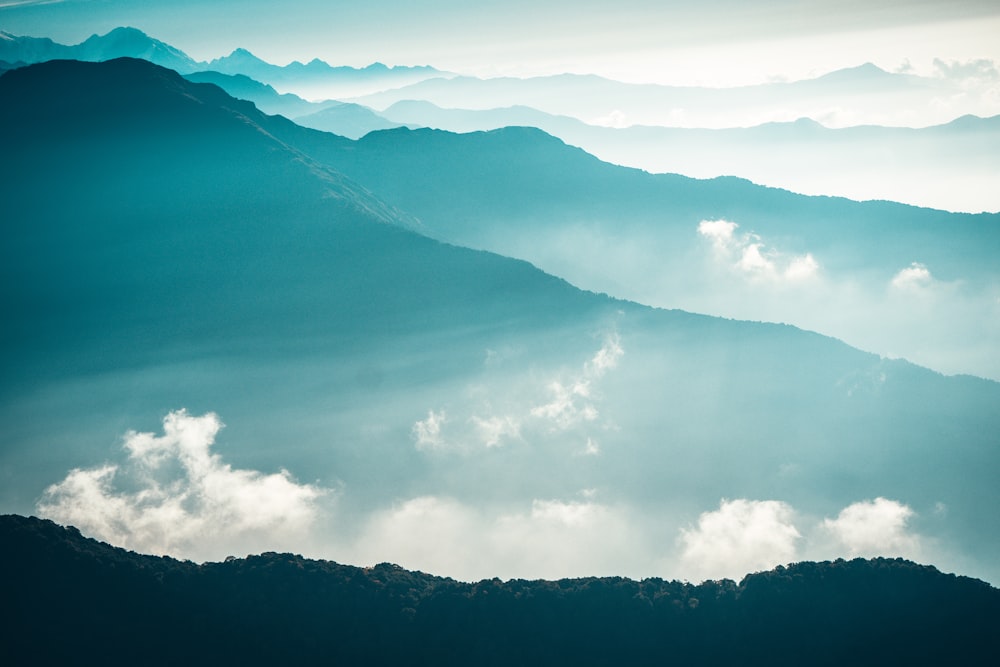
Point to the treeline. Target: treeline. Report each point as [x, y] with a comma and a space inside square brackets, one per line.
[68, 599]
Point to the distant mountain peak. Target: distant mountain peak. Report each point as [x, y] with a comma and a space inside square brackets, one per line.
[242, 55]
[126, 30]
[863, 71]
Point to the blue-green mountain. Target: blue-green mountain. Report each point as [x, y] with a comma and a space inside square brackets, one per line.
[166, 246]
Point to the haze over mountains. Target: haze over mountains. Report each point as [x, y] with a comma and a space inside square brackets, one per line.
[392, 397]
[954, 166]
[762, 133]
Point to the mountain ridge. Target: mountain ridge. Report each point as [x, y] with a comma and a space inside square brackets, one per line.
[275, 605]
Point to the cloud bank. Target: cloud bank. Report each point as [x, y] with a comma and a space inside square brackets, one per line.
[174, 496]
[178, 498]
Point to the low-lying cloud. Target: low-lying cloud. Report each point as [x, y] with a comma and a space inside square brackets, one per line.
[741, 536]
[176, 497]
[549, 538]
[914, 277]
[874, 528]
[747, 255]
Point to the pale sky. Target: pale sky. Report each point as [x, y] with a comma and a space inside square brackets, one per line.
[712, 42]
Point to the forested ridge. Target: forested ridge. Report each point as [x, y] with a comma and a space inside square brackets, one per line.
[72, 599]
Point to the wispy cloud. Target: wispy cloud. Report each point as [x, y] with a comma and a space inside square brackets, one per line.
[26, 3]
[571, 401]
[427, 432]
[566, 401]
[182, 499]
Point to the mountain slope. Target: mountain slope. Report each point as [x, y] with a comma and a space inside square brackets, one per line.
[348, 120]
[264, 97]
[871, 273]
[281, 607]
[166, 246]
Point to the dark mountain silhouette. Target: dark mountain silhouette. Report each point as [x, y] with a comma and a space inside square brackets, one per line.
[167, 246]
[342, 118]
[68, 597]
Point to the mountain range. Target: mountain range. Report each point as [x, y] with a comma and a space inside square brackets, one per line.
[280, 607]
[864, 95]
[818, 136]
[609, 229]
[315, 77]
[167, 246]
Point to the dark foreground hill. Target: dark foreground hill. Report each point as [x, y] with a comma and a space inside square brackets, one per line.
[71, 599]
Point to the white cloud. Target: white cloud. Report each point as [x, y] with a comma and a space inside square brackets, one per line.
[722, 233]
[186, 502]
[741, 536]
[913, 278]
[874, 528]
[427, 432]
[748, 256]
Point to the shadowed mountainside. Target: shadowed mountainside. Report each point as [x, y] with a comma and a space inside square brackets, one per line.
[827, 264]
[68, 598]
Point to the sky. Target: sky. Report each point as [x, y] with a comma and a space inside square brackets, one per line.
[713, 42]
